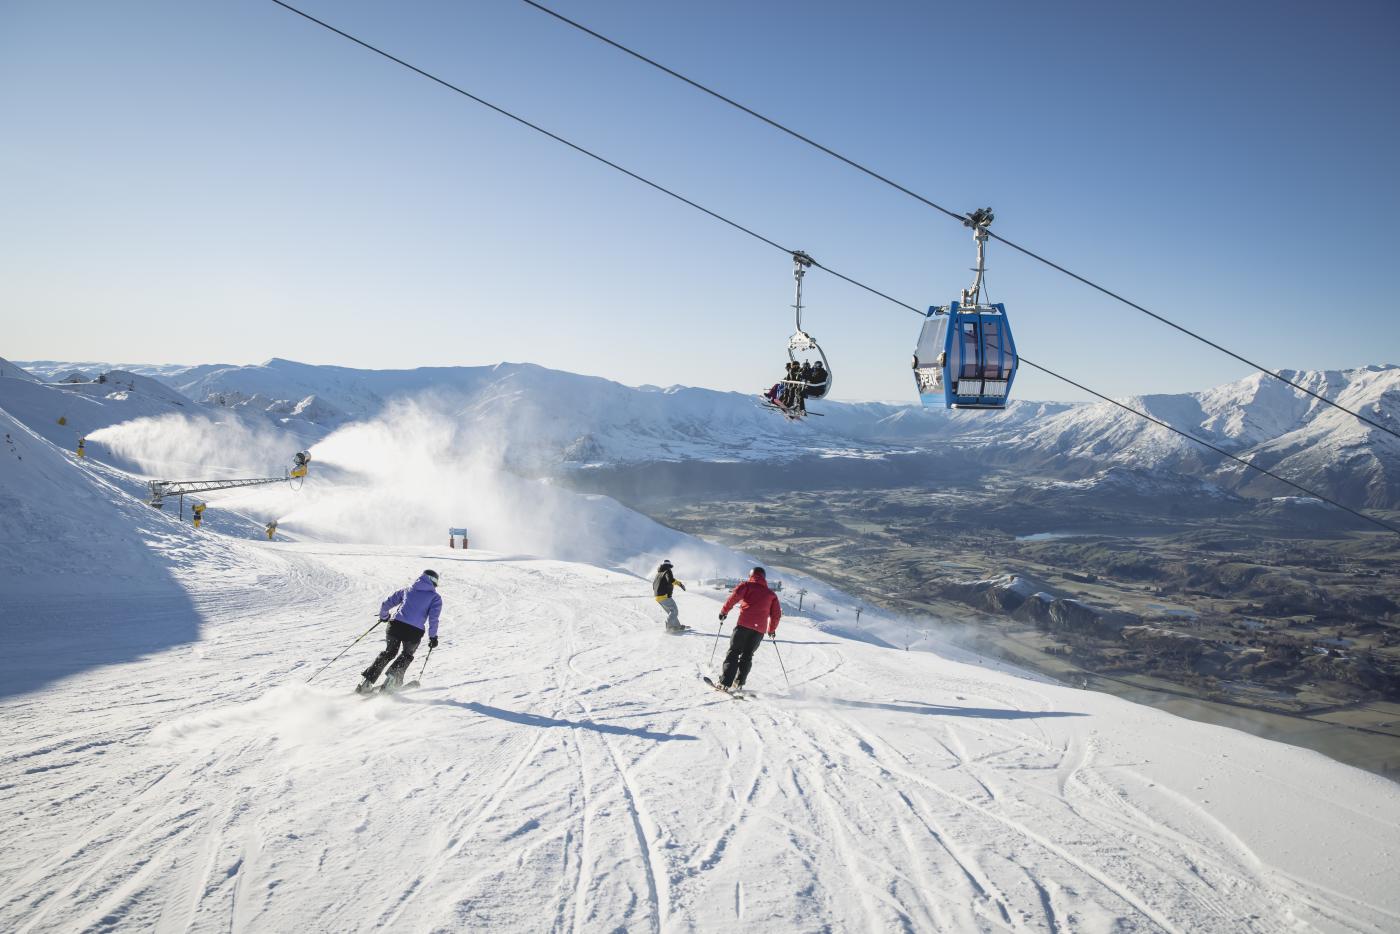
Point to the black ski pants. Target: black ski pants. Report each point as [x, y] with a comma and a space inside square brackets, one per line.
[742, 645]
[402, 640]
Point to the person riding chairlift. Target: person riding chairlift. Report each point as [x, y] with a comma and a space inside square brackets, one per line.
[803, 376]
[791, 375]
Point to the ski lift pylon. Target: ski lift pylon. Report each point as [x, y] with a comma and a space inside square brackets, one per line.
[965, 356]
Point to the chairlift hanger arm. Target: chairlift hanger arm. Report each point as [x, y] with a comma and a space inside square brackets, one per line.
[800, 264]
[979, 220]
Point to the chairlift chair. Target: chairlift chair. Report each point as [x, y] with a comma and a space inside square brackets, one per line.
[802, 345]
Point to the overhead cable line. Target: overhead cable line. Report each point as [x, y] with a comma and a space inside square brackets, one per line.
[587, 152]
[773, 243]
[956, 215]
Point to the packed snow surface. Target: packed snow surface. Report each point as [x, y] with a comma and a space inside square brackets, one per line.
[563, 768]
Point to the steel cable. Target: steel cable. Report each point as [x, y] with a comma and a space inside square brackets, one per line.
[773, 243]
[962, 218]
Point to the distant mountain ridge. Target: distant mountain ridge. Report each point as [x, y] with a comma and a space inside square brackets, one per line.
[12, 371]
[551, 418]
[1256, 418]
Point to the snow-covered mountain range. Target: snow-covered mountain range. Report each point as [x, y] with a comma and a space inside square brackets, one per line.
[1256, 418]
[547, 419]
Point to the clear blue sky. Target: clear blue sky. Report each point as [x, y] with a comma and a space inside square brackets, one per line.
[224, 181]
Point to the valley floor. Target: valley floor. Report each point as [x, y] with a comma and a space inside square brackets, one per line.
[1241, 623]
[563, 769]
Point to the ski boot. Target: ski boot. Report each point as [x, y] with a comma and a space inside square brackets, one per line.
[392, 683]
[366, 686]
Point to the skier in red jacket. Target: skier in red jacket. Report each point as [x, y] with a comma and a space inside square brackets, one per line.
[759, 612]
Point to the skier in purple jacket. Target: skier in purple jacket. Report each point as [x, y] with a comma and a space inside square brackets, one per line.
[418, 607]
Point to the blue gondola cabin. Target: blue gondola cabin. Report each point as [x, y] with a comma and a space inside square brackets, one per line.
[966, 359]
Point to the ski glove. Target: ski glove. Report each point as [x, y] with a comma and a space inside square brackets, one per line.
[432, 642]
[723, 616]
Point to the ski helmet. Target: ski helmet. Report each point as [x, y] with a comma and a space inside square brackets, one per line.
[432, 576]
[759, 572]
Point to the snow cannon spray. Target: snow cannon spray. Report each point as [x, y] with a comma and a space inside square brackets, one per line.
[176, 444]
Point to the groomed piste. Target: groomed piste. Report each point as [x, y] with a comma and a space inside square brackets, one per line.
[562, 768]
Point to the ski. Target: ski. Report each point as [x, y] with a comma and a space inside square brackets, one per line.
[383, 689]
[791, 414]
[721, 690]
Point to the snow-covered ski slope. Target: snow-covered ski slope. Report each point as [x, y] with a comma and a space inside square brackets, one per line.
[166, 767]
[563, 769]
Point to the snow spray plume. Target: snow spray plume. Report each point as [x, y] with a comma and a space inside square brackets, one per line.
[426, 464]
[179, 446]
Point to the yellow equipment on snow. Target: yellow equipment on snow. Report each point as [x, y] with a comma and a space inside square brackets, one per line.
[160, 489]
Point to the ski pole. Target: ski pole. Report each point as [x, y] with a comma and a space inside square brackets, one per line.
[425, 663]
[773, 638]
[346, 649]
[716, 645]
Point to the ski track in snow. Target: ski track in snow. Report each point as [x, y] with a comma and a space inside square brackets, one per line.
[563, 770]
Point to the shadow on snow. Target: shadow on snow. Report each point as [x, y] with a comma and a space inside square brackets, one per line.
[944, 710]
[537, 720]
